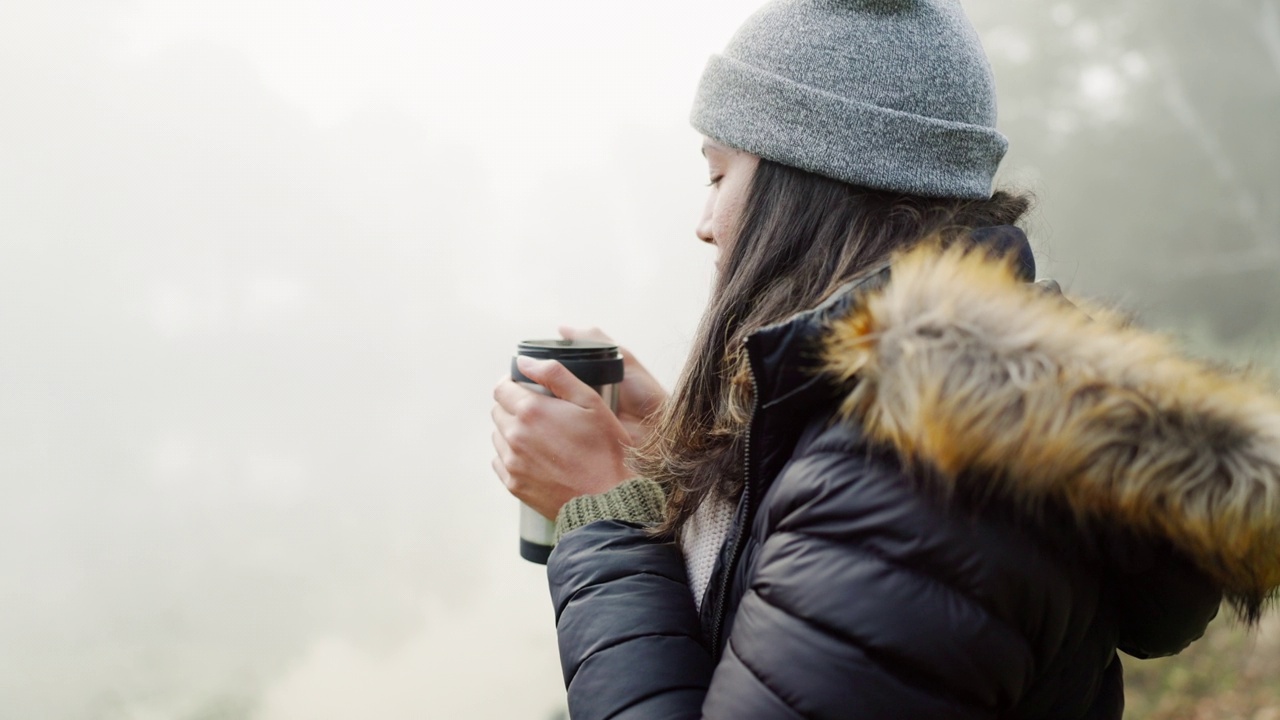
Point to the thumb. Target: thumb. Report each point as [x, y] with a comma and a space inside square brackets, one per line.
[595, 333]
[553, 376]
[598, 335]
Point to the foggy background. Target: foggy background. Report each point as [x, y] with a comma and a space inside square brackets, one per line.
[262, 262]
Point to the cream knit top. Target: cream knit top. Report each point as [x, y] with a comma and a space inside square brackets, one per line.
[641, 501]
[701, 540]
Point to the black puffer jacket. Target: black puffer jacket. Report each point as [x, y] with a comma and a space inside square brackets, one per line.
[963, 496]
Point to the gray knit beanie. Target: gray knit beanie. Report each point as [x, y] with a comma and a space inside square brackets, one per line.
[889, 94]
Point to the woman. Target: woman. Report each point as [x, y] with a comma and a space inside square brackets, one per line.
[917, 489]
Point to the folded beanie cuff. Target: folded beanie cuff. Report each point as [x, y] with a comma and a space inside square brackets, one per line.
[856, 142]
[639, 500]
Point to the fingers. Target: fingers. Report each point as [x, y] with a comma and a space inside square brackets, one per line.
[503, 450]
[511, 397]
[556, 378]
[629, 361]
[593, 333]
[504, 456]
[549, 449]
[499, 469]
[503, 420]
[598, 335]
[511, 429]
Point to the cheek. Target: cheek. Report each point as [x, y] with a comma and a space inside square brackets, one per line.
[720, 222]
[723, 228]
[727, 215]
[709, 210]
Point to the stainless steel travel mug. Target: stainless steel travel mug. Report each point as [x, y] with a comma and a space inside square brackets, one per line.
[594, 363]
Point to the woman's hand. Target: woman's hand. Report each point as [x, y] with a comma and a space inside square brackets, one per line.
[553, 449]
[639, 397]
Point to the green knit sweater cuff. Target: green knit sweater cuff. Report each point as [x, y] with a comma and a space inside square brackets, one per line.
[638, 500]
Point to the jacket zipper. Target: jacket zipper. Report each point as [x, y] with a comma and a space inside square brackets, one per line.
[717, 626]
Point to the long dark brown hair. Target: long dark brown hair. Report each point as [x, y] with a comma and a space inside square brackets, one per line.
[800, 237]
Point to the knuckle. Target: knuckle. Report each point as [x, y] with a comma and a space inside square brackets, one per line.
[514, 464]
[515, 438]
[529, 411]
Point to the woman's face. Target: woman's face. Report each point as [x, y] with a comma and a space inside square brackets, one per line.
[730, 172]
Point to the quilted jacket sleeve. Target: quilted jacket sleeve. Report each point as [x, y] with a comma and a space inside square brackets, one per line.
[866, 603]
[630, 639]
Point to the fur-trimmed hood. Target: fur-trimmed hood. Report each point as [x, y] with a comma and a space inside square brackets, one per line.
[958, 364]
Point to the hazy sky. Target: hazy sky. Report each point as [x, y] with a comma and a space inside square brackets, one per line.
[261, 264]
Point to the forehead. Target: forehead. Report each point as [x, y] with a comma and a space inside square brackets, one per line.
[710, 146]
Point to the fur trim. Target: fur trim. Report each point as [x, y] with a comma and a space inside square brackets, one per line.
[962, 367]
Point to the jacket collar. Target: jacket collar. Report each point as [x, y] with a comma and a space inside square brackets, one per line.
[787, 358]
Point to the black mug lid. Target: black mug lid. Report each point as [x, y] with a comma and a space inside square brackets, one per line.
[567, 349]
[594, 363]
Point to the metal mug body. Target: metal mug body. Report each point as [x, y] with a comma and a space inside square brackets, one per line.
[600, 366]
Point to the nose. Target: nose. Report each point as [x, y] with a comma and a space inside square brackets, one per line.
[703, 230]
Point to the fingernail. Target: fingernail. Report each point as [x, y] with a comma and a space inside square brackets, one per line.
[525, 363]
